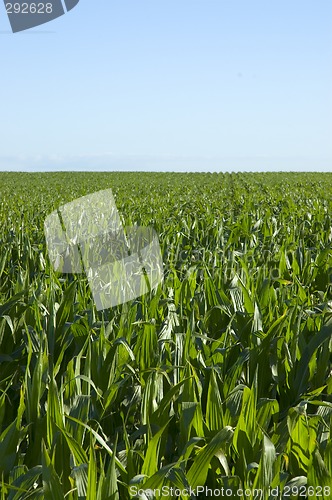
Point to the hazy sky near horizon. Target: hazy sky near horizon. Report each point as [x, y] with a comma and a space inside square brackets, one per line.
[170, 85]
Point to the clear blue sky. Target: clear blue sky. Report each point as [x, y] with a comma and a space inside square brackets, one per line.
[170, 85]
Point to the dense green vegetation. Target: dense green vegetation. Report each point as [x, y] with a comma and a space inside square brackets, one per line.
[222, 377]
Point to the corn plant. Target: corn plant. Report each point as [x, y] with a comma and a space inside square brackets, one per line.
[220, 378]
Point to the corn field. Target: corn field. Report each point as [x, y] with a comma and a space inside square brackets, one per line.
[220, 378]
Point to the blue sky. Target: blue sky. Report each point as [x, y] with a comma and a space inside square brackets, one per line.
[181, 85]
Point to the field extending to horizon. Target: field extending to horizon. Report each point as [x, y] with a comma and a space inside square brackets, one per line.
[221, 377]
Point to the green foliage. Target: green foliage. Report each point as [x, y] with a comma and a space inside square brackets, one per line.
[221, 377]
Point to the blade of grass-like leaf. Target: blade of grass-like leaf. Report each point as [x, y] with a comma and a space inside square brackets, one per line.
[151, 461]
[100, 441]
[91, 492]
[76, 449]
[51, 483]
[198, 471]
